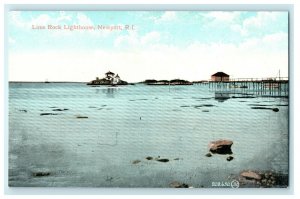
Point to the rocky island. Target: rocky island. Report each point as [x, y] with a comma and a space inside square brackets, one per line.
[166, 82]
[109, 79]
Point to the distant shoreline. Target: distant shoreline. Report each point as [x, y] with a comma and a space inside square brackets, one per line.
[44, 82]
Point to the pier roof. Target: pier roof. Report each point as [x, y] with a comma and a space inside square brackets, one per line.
[220, 74]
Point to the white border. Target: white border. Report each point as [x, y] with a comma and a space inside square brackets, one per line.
[177, 5]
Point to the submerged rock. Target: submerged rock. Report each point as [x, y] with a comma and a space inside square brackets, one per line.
[208, 105]
[208, 155]
[204, 105]
[40, 174]
[149, 158]
[265, 108]
[163, 160]
[281, 105]
[23, 110]
[82, 117]
[221, 146]
[176, 184]
[229, 158]
[239, 97]
[262, 108]
[60, 109]
[258, 105]
[136, 161]
[48, 114]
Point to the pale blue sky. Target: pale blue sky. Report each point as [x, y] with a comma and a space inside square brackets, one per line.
[163, 45]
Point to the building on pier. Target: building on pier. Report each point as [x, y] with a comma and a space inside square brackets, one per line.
[220, 77]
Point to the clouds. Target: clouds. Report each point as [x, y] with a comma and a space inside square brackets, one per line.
[135, 41]
[15, 19]
[21, 23]
[84, 20]
[188, 45]
[11, 40]
[221, 16]
[246, 24]
[43, 19]
[166, 17]
[279, 39]
[151, 37]
[261, 19]
[262, 23]
[252, 58]
[18, 19]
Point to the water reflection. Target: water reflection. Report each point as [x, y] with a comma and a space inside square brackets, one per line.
[110, 91]
[221, 97]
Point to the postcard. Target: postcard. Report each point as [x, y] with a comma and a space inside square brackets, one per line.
[151, 99]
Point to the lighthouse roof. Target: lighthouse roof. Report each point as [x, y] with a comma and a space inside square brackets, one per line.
[109, 73]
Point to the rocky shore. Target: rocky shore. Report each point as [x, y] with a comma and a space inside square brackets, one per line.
[262, 179]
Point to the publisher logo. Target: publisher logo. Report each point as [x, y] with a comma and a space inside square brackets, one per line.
[232, 184]
[235, 184]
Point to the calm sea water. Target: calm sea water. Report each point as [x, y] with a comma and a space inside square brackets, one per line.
[127, 124]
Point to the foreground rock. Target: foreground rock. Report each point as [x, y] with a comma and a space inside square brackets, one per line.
[250, 175]
[221, 147]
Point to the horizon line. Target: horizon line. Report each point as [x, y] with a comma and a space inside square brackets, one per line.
[232, 79]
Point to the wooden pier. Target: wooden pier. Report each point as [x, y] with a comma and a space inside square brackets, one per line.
[272, 87]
